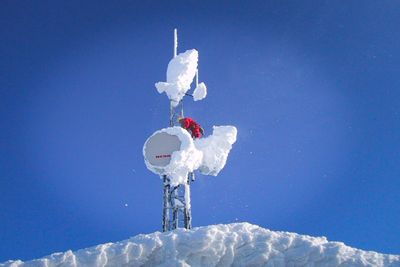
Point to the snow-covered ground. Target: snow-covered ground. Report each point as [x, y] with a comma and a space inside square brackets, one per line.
[238, 244]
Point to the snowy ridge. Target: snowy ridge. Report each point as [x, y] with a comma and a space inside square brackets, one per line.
[238, 244]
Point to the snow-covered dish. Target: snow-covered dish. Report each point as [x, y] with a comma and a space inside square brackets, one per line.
[216, 148]
[185, 160]
[207, 154]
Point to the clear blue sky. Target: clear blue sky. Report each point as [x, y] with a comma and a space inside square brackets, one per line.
[312, 86]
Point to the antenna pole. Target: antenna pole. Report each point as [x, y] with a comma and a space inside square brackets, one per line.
[171, 108]
[168, 205]
[175, 42]
[197, 77]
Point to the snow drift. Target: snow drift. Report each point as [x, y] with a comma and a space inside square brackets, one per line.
[239, 244]
[207, 154]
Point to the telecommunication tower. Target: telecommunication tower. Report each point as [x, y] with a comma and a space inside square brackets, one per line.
[173, 153]
[176, 200]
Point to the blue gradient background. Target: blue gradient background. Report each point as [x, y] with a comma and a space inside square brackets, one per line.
[312, 86]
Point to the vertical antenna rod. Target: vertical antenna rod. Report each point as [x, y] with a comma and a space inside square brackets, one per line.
[175, 42]
[197, 77]
[171, 108]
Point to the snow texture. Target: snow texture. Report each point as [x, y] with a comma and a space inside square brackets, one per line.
[239, 244]
[180, 74]
[216, 148]
[186, 160]
[200, 92]
[207, 154]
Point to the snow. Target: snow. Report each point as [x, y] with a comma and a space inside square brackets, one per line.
[237, 244]
[200, 92]
[188, 204]
[216, 148]
[180, 74]
[209, 154]
[186, 160]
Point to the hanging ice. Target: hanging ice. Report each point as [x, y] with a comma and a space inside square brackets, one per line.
[200, 92]
[180, 74]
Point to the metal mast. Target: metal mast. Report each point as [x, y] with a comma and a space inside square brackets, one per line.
[176, 200]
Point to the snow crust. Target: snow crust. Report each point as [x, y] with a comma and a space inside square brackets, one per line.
[186, 160]
[209, 154]
[200, 92]
[239, 244]
[180, 74]
[216, 148]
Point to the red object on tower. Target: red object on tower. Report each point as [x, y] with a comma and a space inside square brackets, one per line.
[192, 126]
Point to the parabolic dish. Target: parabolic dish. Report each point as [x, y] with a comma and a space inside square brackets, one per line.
[158, 149]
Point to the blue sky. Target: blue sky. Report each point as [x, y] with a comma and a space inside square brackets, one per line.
[312, 86]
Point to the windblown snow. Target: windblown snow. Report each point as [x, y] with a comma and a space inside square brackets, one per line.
[238, 244]
[180, 74]
[208, 155]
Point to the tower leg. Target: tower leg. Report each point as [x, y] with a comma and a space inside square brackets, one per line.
[187, 210]
[166, 205]
[175, 216]
[176, 204]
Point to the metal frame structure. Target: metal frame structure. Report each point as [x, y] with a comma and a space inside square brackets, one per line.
[176, 200]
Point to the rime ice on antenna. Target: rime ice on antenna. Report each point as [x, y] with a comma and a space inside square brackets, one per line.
[181, 71]
[172, 153]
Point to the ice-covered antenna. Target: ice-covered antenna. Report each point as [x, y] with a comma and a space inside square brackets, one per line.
[176, 198]
[159, 149]
[171, 108]
[173, 113]
[175, 42]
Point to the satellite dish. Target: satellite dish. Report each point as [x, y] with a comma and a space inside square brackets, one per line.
[158, 150]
